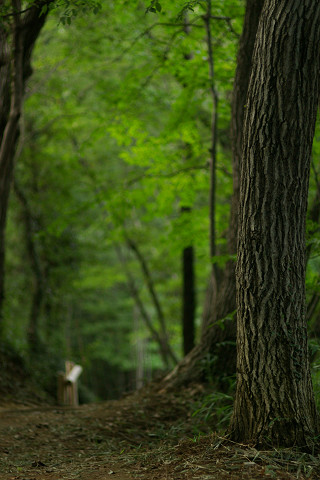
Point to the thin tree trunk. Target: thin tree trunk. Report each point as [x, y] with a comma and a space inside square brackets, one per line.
[188, 268]
[214, 124]
[274, 398]
[218, 338]
[215, 271]
[10, 133]
[221, 337]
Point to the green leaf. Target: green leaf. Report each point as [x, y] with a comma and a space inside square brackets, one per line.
[221, 260]
[44, 10]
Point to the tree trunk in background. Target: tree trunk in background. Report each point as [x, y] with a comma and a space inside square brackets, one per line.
[188, 296]
[216, 353]
[16, 45]
[274, 399]
[188, 270]
[213, 141]
[220, 337]
[33, 336]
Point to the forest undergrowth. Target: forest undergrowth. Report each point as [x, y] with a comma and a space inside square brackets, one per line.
[146, 435]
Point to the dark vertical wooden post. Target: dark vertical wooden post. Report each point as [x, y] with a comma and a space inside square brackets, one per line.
[188, 295]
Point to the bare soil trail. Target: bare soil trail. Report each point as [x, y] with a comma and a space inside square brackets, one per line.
[143, 436]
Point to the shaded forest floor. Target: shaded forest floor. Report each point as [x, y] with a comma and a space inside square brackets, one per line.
[145, 436]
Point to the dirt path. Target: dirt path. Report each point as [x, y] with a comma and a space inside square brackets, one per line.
[135, 438]
[55, 444]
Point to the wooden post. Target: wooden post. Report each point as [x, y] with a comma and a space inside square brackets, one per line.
[67, 385]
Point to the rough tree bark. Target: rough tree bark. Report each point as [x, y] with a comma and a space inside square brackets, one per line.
[18, 34]
[219, 343]
[274, 397]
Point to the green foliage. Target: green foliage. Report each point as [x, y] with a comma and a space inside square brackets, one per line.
[116, 139]
[222, 260]
[67, 8]
[214, 411]
[228, 318]
[314, 348]
[155, 6]
[72, 8]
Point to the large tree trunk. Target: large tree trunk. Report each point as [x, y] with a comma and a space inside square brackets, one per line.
[17, 42]
[274, 398]
[215, 355]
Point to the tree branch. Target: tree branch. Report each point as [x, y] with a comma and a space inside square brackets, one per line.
[167, 175]
[144, 314]
[150, 285]
[148, 30]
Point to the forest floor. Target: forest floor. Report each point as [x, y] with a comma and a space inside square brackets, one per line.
[146, 436]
